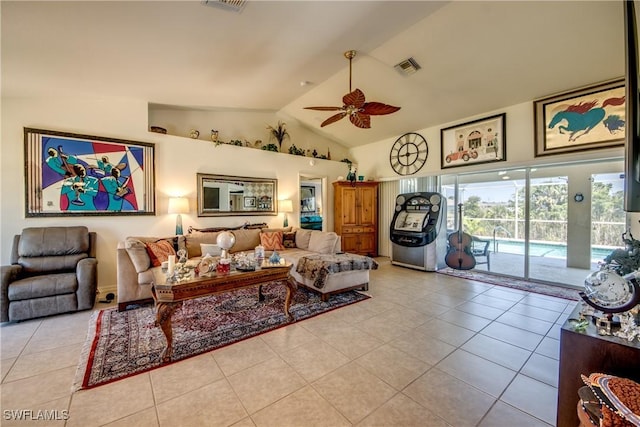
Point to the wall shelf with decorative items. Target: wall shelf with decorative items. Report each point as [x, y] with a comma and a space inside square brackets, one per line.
[256, 129]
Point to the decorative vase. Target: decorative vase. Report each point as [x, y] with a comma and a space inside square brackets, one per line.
[194, 133]
[259, 254]
[214, 135]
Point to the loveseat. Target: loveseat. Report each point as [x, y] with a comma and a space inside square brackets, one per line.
[136, 272]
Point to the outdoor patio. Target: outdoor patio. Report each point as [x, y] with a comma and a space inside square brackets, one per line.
[552, 270]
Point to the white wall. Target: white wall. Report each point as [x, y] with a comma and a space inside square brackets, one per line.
[373, 159]
[245, 126]
[177, 160]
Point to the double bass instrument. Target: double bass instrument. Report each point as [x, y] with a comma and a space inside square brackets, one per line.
[459, 255]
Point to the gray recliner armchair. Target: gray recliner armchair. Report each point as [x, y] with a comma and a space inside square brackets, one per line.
[53, 270]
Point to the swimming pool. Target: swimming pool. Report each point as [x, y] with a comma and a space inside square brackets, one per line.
[544, 249]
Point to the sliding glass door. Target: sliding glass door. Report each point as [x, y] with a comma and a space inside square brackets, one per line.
[551, 224]
[492, 211]
[608, 218]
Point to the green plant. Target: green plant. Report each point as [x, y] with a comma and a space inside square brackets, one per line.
[271, 147]
[296, 151]
[279, 132]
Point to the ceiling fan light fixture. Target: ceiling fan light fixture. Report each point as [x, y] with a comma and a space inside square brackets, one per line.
[408, 66]
[355, 106]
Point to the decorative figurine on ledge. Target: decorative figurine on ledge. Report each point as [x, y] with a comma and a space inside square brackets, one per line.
[353, 171]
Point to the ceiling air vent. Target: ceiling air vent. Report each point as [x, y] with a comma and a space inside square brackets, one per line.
[408, 66]
[232, 5]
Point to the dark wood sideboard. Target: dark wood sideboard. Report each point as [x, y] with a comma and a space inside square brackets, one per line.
[585, 353]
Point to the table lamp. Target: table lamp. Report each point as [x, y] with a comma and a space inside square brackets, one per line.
[285, 206]
[178, 205]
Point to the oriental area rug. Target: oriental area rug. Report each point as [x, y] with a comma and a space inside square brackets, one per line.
[122, 344]
[515, 283]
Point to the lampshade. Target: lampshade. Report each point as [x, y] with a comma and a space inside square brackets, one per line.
[178, 205]
[285, 205]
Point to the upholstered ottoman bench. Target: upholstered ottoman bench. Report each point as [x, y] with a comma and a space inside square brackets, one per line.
[333, 273]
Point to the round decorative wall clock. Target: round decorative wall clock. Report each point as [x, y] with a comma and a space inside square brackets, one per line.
[409, 153]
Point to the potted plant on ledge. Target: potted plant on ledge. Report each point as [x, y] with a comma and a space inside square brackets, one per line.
[279, 132]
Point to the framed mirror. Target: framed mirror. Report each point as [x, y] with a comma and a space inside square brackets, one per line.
[224, 195]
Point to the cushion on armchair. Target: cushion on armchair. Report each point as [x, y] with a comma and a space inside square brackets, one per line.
[52, 241]
[50, 249]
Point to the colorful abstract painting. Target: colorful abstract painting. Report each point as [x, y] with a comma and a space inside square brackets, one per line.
[69, 174]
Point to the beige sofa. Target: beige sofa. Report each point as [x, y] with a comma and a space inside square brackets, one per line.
[135, 274]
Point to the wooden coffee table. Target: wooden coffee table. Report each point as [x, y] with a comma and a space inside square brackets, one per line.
[169, 297]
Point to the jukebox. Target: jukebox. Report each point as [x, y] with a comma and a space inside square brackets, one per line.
[417, 240]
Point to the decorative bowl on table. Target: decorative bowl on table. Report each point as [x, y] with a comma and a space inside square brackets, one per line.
[245, 262]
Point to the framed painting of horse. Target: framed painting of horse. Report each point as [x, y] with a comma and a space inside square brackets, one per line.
[68, 174]
[584, 119]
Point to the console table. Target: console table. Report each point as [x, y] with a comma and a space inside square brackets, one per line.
[585, 353]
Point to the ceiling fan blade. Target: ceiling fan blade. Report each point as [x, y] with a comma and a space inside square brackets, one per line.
[333, 119]
[378, 108]
[355, 98]
[360, 120]
[324, 108]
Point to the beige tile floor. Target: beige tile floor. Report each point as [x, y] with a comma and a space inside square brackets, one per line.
[426, 350]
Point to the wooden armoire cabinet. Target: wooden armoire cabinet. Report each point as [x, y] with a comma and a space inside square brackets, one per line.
[356, 216]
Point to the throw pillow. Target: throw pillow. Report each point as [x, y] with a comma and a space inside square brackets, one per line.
[137, 251]
[272, 241]
[194, 239]
[159, 252]
[323, 242]
[246, 240]
[289, 240]
[302, 238]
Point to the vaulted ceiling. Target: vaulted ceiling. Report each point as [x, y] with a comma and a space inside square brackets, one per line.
[476, 56]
